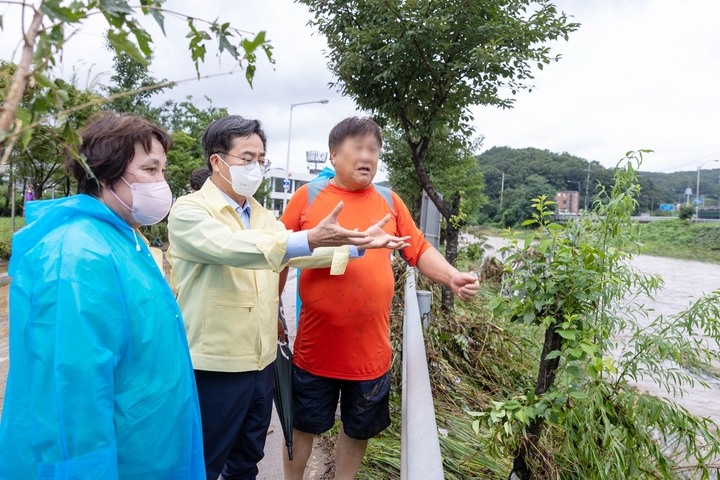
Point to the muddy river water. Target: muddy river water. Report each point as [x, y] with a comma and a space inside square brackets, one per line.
[684, 281]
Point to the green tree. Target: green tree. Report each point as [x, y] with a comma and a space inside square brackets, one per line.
[40, 160]
[451, 167]
[130, 75]
[181, 163]
[686, 212]
[420, 65]
[187, 121]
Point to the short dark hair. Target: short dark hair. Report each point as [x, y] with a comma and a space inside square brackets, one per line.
[199, 177]
[108, 143]
[353, 127]
[218, 137]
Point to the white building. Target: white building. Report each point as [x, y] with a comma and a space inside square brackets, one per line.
[275, 178]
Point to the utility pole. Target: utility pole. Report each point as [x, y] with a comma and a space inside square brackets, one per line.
[697, 189]
[587, 188]
[502, 189]
[286, 183]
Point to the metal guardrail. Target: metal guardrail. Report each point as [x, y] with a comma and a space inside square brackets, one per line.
[420, 457]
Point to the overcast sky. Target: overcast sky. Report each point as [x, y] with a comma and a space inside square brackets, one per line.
[637, 74]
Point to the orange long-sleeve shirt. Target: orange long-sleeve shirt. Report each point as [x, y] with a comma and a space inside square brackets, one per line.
[344, 324]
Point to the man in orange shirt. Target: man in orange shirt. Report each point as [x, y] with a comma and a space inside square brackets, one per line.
[343, 342]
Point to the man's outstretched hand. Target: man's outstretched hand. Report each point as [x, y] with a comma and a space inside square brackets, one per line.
[329, 233]
[465, 285]
[382, 239]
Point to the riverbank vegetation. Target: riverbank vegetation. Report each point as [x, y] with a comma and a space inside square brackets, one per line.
[682, 239]
[528, 378]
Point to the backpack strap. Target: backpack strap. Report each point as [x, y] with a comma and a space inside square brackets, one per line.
[386, 194]
[314, 189]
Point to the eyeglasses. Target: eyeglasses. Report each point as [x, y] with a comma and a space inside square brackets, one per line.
[248, 162]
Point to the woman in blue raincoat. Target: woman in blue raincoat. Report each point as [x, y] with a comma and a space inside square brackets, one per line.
[100, 383]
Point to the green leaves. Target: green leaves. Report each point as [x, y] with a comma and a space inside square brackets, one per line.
[153, 7]
[121, 43]
[197, 44]
[576, 281]
[69, 14]
[567, 334]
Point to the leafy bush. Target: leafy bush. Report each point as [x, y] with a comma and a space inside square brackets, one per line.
[686, 212]
[473, 253]
[5, 250]
[583, 418]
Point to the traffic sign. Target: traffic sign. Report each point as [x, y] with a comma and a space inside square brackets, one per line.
[698, 201]
[667, 207]
[286, 184]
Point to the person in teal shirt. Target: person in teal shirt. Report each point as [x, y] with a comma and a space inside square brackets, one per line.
[101, 384]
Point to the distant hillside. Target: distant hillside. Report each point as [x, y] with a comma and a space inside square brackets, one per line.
[530, 172]
[679, 181]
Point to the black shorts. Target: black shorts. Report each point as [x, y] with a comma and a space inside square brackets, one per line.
[364, 404]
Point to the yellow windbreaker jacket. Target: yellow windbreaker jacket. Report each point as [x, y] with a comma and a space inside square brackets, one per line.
[226, 279]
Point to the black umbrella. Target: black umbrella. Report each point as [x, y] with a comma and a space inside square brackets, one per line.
[283, 386]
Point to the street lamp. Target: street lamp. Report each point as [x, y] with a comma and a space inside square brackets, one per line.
[287, 161]
[697, 190]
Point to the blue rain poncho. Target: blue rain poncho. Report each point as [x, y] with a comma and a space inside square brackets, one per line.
[100, 383]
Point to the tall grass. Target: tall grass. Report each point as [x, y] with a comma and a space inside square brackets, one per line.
[682, 239]
[471, 360]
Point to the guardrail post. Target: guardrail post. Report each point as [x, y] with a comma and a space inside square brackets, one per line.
[420, 457]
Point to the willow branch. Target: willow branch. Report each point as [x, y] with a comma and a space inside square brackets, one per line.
[102, 100]
[186, 17]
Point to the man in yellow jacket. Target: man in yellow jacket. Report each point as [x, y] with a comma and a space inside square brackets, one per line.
[226, 251]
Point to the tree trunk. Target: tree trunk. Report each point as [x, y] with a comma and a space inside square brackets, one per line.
[545, 379]
[38, 189]
[449, 212]
[452, 236]
[452, 240]
[20, 79]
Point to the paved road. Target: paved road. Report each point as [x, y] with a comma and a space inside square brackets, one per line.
[271, 465]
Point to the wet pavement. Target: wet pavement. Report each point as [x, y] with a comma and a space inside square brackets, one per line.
[271, 467]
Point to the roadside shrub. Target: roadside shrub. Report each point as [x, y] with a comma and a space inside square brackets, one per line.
[5, 250]
[686, 212]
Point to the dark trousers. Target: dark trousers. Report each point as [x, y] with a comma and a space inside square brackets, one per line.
[236, 409]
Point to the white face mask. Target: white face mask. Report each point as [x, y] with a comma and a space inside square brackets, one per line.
[151, 202]
[245, 180]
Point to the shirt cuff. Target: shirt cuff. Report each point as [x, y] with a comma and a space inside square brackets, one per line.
[355, 253]
[297, 246]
